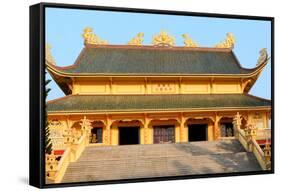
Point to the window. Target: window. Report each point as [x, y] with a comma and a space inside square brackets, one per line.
[227, 130]
[96, 135]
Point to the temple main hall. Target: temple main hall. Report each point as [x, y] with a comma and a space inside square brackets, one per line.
[137, 95]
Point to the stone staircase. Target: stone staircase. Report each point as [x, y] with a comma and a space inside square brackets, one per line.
[159, 160]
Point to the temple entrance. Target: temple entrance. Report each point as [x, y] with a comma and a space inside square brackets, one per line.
[197, 132]
[164, 134]
[129, 135]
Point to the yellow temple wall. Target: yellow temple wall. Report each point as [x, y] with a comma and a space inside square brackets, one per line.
[111, 124]
[137, 85]
[260, 119]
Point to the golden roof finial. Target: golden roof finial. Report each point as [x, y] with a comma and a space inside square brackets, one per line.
[163, 39]
[48, 54]
[263, 57]
[188, 42]
[92, 38]
[137, 40]
[228, 42]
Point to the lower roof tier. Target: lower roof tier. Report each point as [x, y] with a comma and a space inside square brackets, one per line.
[139, 103]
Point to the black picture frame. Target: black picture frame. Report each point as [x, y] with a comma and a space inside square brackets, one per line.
[37, 92]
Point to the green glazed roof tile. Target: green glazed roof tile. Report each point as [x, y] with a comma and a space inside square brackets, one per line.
[126, 60]
[84, 103]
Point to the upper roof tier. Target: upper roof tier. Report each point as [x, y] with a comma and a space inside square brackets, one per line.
[132, 60]
[161, 58]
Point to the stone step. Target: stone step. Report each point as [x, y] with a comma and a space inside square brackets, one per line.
[160, 150]
[140, 161]
[162, 166]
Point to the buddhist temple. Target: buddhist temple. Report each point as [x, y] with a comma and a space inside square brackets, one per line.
[136, 94]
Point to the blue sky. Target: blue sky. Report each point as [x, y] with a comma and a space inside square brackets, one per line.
[64, 28]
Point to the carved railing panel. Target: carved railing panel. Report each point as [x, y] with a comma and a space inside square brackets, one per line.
[76, 141]
[247, 138]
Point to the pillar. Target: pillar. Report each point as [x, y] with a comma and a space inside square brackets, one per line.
[217, 132]
[210, 131]
[114, 139]
[146, 130]
[178, 132]
[107, 132]
[183, 130]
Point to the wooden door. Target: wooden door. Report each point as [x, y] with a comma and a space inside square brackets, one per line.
[164, 134]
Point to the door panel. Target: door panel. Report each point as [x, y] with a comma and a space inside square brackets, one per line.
[164, 134]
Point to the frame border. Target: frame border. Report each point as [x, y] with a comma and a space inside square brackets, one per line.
[37, 92]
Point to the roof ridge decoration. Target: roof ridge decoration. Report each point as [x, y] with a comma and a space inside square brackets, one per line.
[48, 54]
[137, 40]
[163, 39]
[91, 38]
[188, 42]
[263, 57]
[228, 42]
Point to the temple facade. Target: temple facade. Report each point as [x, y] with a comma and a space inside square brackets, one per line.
[154, 94]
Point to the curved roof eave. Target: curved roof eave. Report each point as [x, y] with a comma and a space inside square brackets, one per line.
[60, 71]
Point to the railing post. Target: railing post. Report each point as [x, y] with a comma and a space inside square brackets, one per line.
[51, 166]
[267, 155]
[237, 121]
[86, 128]
[250, 133]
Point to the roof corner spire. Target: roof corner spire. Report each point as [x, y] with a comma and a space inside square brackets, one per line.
[263, 57]
[228, 42]
[91, 38]
[48, 54]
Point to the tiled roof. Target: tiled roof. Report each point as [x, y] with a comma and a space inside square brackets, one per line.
[155, 60]
[100, 103]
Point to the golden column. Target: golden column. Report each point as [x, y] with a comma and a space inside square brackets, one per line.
[183, 130]
[107, 131]
[217, 132]
[146, 130]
